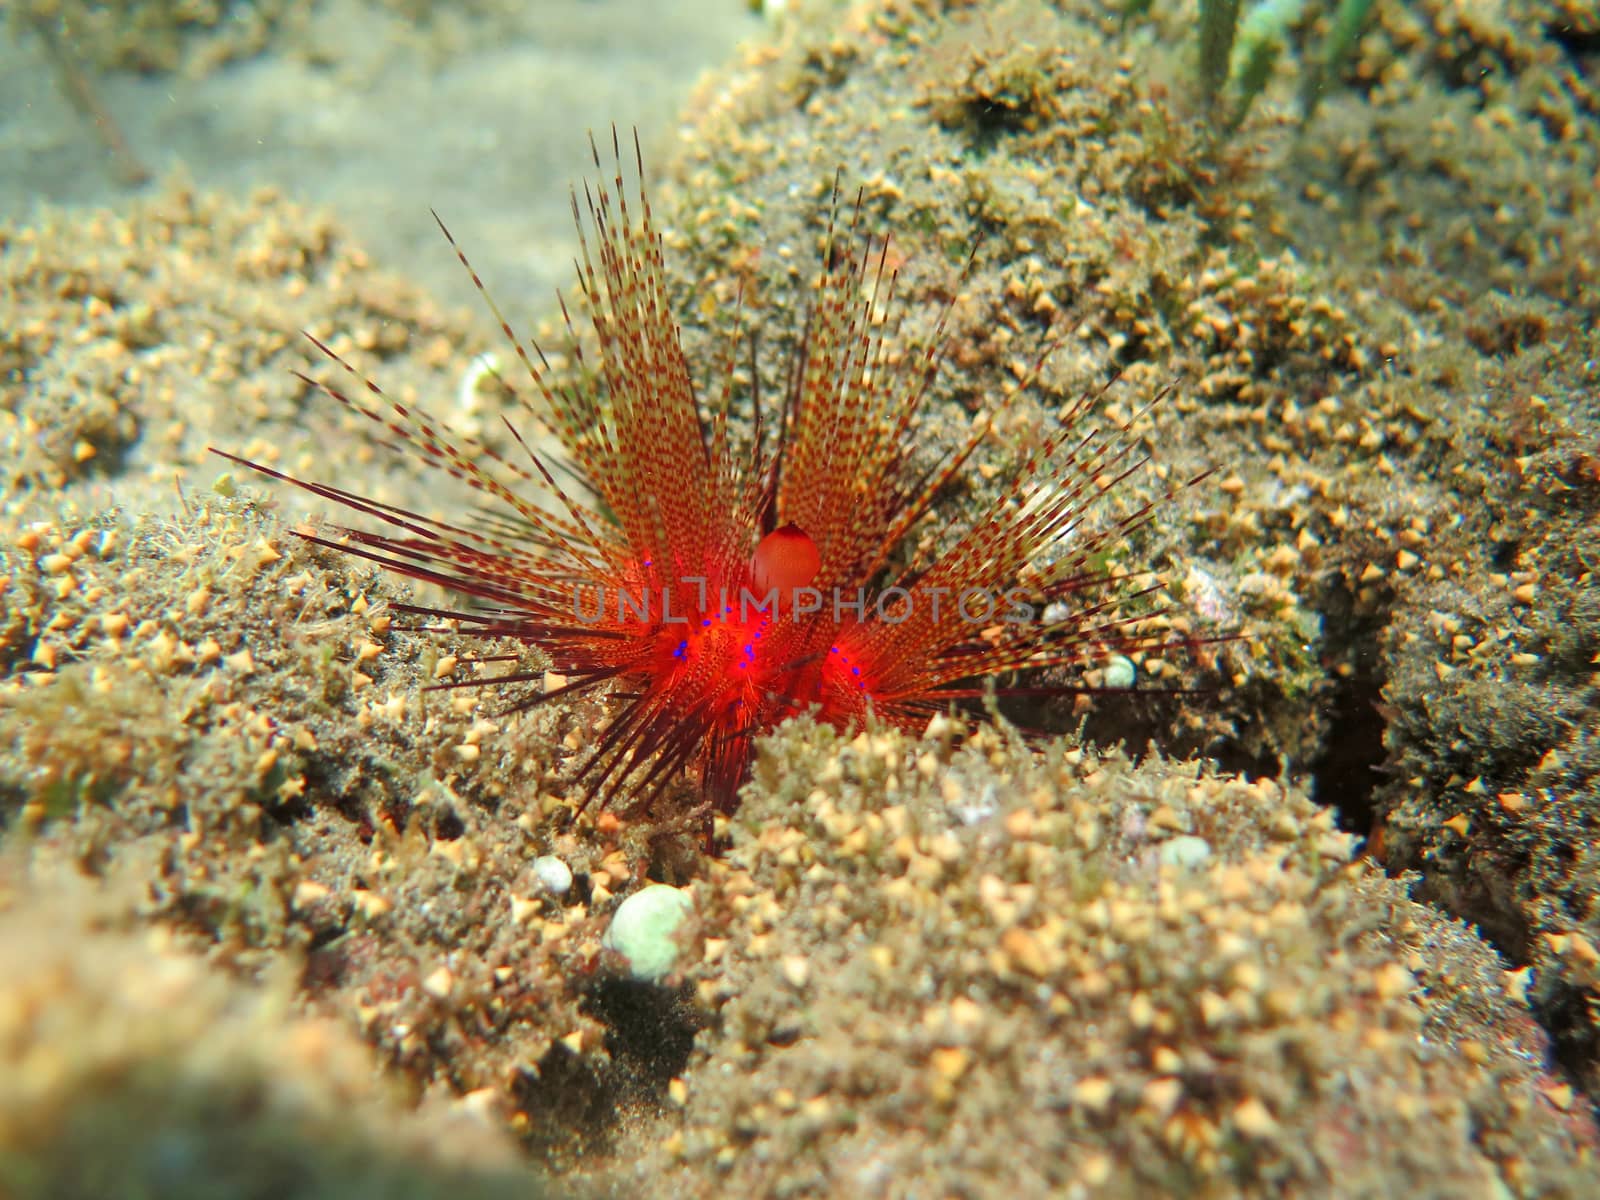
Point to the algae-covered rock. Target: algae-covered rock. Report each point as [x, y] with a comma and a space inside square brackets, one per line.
[1494, 687]
[1307, 316]
[1378, 332]
[133, 1069]
[192, 37]
[132, 341]
[948, 968]
[927, 966]
[236, 712]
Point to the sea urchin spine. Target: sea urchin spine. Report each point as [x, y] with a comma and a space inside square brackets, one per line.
[719, 589]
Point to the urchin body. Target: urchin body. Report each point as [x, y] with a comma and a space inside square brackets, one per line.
[719, 589]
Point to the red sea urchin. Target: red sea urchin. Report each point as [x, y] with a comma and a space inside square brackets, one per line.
[720, 590]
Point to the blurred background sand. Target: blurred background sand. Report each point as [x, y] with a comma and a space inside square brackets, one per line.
[478, 111]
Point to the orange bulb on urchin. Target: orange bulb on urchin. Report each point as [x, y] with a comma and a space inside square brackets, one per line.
[716, 586]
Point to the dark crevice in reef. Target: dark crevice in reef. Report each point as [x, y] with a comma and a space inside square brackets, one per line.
[1562, 1009]
[1361, 778]
[574, 1108]
[569, 1107]
[1345, 776]
[1138, 719]
[1348, 769]
[989, 121]
[650, 1030]
[1557, 1005]
[1582, 46]
[1472, 894]
[1146, 718]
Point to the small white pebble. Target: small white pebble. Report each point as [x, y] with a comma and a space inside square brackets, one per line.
[1185, 850]
[644, 930]
[553, 873]
[1120, 672]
